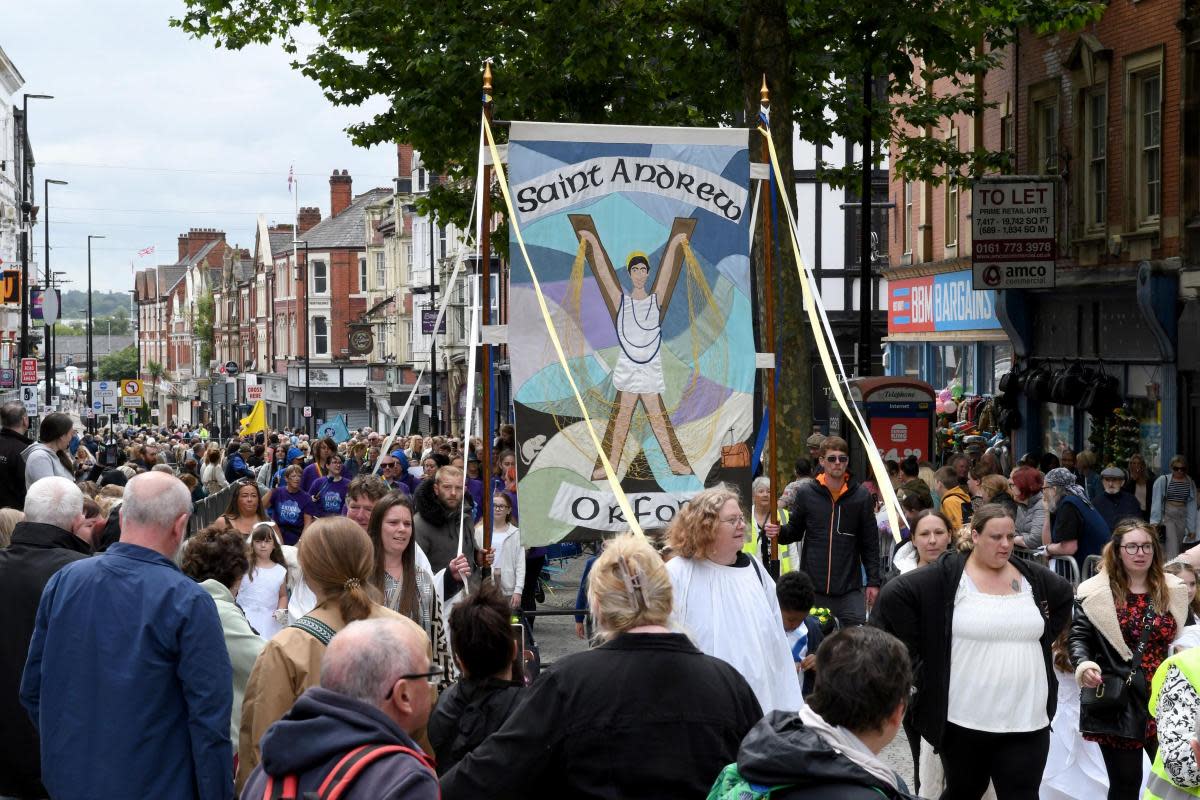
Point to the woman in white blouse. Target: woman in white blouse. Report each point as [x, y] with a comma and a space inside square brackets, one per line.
[987, 691]
[509, 570]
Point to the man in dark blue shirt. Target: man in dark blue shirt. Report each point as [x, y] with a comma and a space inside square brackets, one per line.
[128, 679]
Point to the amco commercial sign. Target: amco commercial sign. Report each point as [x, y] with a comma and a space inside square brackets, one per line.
[940, 303]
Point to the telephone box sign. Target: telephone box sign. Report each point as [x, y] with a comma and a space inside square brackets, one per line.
[1012, 233]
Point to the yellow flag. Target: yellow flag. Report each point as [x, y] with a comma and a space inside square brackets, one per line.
[256, 420]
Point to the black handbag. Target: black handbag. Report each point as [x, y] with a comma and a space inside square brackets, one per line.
[1037, 386]
[1112, 695]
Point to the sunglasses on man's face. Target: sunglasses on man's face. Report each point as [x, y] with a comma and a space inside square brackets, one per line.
[837, 459]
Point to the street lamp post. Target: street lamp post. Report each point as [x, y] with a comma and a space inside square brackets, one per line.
[90, 350]
[23, 205]
[48, 327]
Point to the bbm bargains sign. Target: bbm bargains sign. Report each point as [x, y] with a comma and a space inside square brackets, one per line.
[937, 303]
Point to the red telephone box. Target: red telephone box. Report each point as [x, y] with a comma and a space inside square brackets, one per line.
[900, 417]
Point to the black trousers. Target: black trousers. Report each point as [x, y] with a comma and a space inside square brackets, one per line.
[1124, 769]
[850, 608]
[914, 747]
[1013, 762]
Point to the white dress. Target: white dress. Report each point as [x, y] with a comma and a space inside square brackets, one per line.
[639, 332]
[1074, 766]
[259, 597]
[732, 613]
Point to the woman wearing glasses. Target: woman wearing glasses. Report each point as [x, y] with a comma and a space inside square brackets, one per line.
[725, 600]
[1129, 612]
[509, 572]
[1174, 507]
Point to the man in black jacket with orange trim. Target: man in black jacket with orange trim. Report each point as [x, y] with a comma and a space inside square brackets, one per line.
[834, 519]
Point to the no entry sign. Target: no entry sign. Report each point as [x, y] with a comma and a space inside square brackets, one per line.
[1012, 233]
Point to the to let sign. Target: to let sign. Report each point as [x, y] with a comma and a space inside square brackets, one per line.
[1012, 227]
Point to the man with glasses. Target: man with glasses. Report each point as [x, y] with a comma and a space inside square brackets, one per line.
[376, 690]
[833, 518]
[1113, 503]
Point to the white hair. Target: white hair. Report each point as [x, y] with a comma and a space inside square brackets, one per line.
[54, 501]
[761, 482]
[155, 500]
[365, 658]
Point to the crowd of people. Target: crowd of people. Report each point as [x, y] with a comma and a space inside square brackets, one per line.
[341, 627]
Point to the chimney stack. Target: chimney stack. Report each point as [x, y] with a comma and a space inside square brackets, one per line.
[339, 192]
[307, 218]
[404, 163]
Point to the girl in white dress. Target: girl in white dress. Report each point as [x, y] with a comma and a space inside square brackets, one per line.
[1074, 766]
[263, 595]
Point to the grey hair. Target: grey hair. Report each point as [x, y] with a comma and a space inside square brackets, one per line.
[153, 502]
[54, 501]
[12, 414]
[167, 468]
[365, 658]
[761, 482]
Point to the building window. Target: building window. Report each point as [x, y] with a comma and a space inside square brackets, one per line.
[320, 274]
[320, 336]
[362, 273]
[442, 241]
[906, 235]
[380, 269]
[1096, 150]
[952, 196]
[1149, 144]
[1008, 141]
[1045, 120]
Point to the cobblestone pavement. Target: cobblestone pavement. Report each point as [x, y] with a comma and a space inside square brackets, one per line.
[556, 638]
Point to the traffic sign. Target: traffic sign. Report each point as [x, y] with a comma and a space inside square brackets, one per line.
[106, 389]
[130, 387]
[97, 405]
[308, 411]
[254, 393]
[131, 401]
[232, 368]
[91, 414]
[29, 370]
[29, 398]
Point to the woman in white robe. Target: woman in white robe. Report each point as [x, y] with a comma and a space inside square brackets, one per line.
[725, 600]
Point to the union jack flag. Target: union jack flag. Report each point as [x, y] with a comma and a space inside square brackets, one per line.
[145, 251]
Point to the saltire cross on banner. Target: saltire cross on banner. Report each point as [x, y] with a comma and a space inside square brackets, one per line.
[640, 240]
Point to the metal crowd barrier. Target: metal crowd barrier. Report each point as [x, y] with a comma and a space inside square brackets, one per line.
[1065, 566]
[205, 512]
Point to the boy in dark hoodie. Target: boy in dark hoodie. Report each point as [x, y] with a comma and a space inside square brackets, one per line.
[830, 750]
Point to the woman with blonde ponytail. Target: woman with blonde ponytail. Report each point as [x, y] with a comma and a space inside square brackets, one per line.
[338, 561]
[646, 699]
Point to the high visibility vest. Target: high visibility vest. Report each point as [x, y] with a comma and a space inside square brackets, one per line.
[751, 547]
[1158, 785]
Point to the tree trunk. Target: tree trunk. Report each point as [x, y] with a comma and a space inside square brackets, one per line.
[764, 49]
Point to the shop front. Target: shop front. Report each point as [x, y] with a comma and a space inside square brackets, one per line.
[943, 332]
[1120, 325]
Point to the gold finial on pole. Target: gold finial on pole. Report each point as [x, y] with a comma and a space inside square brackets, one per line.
[487, 76]
[764, 94]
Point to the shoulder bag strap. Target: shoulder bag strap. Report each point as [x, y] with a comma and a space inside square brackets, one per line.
[344, 773]
[319, 630]
[1136, 662]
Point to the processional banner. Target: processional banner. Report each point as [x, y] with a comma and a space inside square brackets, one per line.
[640, 240]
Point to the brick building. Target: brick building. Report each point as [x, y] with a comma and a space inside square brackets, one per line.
[1109, 115]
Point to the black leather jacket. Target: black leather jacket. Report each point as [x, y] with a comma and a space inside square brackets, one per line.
[1087, 642]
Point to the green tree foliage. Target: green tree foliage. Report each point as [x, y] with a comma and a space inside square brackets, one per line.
[649, 62]
[205, 311]
[119, 364]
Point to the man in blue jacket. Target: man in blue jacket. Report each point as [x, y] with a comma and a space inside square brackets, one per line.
[1073, 525]
[1113, 503]
[375, 690]
[128, 679]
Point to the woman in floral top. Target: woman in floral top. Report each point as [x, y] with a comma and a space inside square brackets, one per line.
[1112, 610]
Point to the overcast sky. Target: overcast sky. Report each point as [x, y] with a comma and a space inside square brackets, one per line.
[158, 133]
